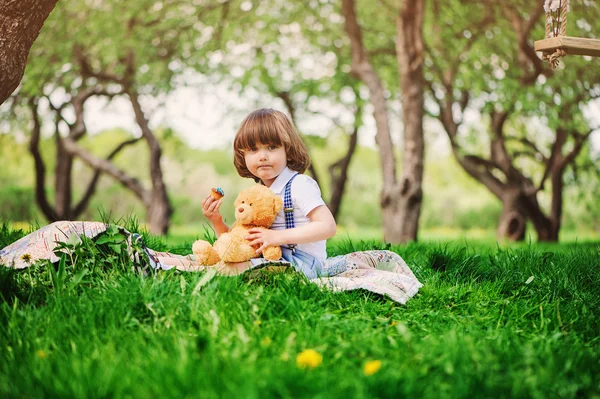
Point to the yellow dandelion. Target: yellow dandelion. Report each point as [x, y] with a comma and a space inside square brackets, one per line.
[26, 258]
[266, 341]
[257, 322]
[372, 366]
[41, 354]
[309, 358]
[393, 323]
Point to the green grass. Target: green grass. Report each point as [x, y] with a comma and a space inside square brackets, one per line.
[185, 234]
[490, 321]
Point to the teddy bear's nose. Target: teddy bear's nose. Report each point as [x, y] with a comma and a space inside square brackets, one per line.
[241, 209]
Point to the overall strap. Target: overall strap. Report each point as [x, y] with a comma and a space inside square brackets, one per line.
[288, 208]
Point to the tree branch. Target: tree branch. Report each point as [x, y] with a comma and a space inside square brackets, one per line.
[497, 145]
[527, 55]
[362, 69]
[339, 180]
[91, 188]
[529, 144]
[153, 144]
[87, 71]
[40, 167]
[222, 22]
[481, 170]
[108, 167]
[78, 129]
[579, 142]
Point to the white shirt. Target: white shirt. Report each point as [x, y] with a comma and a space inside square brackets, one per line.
[306, 196]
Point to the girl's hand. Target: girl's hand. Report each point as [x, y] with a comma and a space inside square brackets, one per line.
[263, 238]
[210, 209]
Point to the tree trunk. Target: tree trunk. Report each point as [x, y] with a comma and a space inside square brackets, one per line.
[159, 213]
[339, 174]
[556, 206]
[20, 24]
[159, 209]
[63, 181]
[519, 204]
[409, 50]
[40, 168]
[513, 221]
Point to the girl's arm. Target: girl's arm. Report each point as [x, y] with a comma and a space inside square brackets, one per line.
[220, 227]
[210, 209]
[321, 227]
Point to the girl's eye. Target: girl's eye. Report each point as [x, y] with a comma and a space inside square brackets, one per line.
[273, 147]
[252, 149]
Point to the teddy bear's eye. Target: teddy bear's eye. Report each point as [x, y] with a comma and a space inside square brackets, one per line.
[251, 204]
[243, 202]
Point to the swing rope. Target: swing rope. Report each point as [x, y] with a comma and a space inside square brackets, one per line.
[555, 27]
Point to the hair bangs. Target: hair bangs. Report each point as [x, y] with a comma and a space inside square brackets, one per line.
[260, 129]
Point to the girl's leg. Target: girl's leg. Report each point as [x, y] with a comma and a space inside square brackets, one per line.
[189, 263]
[232, 269]
[180, 262]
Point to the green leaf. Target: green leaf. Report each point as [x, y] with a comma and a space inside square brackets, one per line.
[103, 239]
[529, 280]
[74, 240]
[115, 247]
[78, 277]
[208, 275]
[182, 284]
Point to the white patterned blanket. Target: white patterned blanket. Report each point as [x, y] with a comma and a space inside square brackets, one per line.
[381, 272]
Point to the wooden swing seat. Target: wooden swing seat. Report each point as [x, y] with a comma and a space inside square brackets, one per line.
[571, 45]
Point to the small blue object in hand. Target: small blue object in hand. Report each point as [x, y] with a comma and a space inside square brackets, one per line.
[217, 193]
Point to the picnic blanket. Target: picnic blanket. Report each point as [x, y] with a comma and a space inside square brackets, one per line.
[394, 279]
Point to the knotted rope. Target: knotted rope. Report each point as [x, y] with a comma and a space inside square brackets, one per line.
[552, 31]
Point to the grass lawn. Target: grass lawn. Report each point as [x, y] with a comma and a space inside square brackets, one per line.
[490, 321]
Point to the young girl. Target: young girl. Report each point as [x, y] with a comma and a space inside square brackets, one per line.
[268, 149]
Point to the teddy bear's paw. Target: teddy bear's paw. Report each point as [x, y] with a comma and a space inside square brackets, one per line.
[272, 253]
[205, 253]
[232, 247]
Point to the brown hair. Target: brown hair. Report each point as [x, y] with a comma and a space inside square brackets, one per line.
[269, 127]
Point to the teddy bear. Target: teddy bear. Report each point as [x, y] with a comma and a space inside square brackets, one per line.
[256, 206]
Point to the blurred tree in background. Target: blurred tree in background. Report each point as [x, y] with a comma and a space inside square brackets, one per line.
[115, 50]
[400, 197]
[482, 59]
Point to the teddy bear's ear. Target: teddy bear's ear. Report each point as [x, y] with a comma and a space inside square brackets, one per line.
[277, 204]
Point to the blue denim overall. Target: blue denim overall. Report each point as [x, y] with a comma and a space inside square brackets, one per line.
[300, 260]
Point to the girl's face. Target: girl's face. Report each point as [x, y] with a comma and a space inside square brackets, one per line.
[266, 162]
